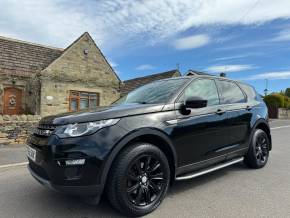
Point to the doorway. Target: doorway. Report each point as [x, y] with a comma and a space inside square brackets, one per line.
[12, 101]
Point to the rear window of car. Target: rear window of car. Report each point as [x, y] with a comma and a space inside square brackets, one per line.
[250, 91]
[230, 93]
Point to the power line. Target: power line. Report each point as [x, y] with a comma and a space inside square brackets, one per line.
[245, 14]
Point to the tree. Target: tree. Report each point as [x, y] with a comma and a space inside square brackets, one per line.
[287, 92]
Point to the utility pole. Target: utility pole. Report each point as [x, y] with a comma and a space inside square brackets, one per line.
[266, 89]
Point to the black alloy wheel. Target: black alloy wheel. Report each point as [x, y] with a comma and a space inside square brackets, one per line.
[145, 180]
[262, 148]
[258, 153]
[138, 180]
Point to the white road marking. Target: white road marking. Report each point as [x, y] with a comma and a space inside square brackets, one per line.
[13, 165]
[277, 120]
[279, 127]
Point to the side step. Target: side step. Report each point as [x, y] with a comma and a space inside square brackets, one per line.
[208, 170]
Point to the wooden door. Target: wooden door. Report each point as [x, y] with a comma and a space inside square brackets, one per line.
[12, 101]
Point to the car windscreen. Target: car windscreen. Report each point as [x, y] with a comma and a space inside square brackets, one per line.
[153, 93]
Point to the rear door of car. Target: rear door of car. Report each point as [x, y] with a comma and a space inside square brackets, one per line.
[251, 110]
[238, 111]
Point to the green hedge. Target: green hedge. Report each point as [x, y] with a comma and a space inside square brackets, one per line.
[276, 100]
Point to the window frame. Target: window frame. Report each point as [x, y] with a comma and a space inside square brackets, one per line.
[191, 82]
[236, 83]
[240, 84]
[79, 97]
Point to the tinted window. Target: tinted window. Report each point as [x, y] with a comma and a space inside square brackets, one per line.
[250, 91]
[153, 93]
[203, 88]
[230, 92]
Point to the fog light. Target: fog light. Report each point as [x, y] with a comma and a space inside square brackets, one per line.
[75, 162]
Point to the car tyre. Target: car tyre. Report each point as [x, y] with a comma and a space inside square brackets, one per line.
[138, 180]
[258, 153]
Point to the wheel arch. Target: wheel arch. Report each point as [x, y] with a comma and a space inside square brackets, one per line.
[263, 125]
[148, 135]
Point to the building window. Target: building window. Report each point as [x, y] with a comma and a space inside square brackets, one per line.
[83, 100]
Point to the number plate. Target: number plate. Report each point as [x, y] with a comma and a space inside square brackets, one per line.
[31, 153]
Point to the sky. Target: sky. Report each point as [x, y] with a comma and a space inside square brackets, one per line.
[249, 40]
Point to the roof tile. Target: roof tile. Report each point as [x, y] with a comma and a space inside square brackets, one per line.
[24, 58]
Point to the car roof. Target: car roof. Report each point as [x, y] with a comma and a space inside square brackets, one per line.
[192, 77]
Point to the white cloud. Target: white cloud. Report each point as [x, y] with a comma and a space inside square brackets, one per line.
[223, 39]
[145, 67]
[248, 45]
[191, 42]
[229, 68]
[48, 22]
[120, 22]
[270, 75]
[284, 35]
[240, 56]
[231, 57]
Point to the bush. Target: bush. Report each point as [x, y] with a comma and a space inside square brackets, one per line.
[286, 102]
[274, 100]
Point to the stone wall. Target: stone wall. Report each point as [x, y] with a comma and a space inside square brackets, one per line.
[283, 113]
[33, 96]
[82, 61]
[15, 129]
[60, 93]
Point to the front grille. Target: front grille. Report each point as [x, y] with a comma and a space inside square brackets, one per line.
[44, 130]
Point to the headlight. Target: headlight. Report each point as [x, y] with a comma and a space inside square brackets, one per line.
[79, 129]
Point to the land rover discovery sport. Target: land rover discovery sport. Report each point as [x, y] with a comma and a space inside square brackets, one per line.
[132, 150]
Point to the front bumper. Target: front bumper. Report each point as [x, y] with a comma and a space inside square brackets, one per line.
[90, 190]
[86, 179]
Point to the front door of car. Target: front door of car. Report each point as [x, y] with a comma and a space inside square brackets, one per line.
[199, 132]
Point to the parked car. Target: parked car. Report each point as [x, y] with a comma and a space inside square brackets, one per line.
[173, 129]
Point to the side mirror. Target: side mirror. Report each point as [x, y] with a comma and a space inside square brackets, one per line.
[195, 102]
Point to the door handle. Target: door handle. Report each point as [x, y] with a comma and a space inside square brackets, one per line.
[220, 111]
[248, 108]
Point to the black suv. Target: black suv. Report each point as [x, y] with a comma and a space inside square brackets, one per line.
[173, 129]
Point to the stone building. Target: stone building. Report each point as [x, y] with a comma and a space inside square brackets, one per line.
[37, 79]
